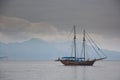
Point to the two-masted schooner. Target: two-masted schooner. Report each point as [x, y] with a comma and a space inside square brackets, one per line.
[74, 60]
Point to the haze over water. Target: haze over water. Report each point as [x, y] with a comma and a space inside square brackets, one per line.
[37, 30]
[49, 70]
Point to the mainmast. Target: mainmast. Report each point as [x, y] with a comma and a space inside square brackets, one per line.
[75, 41]
[84, 43]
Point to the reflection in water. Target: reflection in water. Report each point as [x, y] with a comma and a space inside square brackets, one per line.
[74, 73]
[79, 72]
[41, 70]
[84, 72]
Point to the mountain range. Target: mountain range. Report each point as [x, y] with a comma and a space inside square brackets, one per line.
[36, 49]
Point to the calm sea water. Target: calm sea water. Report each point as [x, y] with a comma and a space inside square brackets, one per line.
[50, 70]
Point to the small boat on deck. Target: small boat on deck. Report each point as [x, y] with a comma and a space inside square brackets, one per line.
[82, 61]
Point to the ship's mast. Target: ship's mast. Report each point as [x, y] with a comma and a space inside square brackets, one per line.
[75, 41]
[84, 43]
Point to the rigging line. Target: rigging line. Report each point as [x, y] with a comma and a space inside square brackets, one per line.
[92, 40]
[95, 44]
[81, 51]
[71, 32]
[94, 48]
[72, 49]
[98, 47]
[102, 53]
[87, 52]
[72, 42]
[68, 38]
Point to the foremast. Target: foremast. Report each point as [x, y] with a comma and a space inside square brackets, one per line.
[84, 43]
[75, 41]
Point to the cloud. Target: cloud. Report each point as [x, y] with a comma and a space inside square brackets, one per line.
[13, 29]
[18, 29]
[99, 16]
[52, 20]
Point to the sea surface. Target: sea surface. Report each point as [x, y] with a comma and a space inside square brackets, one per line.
[51, 70]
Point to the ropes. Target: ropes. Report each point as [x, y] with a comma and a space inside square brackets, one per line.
[91, 41]
[94, 48]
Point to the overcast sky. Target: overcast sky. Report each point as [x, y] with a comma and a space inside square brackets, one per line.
[51, 20]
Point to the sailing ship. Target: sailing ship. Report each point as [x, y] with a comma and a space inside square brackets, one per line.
[83, 61]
